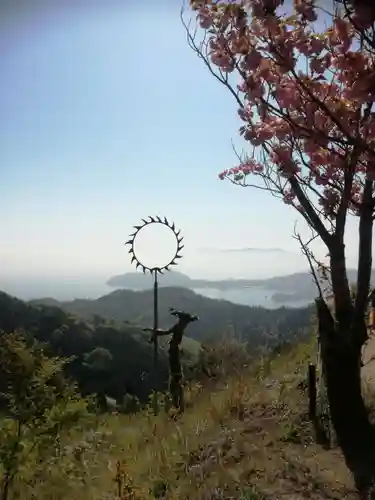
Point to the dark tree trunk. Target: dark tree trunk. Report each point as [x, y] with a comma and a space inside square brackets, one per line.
[342, 371]
[355, 434]
[342, 339]
[341, 289]
[364, 264]
[348, 410]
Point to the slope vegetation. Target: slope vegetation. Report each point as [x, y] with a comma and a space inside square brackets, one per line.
[247, 439]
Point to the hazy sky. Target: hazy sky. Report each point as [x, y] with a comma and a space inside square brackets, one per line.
[107, 116]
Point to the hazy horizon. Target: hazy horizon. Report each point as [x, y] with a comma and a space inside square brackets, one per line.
[88, 287]
[69, 286]
[109, 117]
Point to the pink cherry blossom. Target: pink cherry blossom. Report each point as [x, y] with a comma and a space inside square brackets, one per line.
[305, 93]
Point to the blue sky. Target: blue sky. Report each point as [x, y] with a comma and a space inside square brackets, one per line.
[107, 116]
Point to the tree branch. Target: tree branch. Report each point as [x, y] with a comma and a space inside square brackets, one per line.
[313, 216]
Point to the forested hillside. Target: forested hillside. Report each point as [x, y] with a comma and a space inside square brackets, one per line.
[107, 360]
[112, 355]
[255, 325]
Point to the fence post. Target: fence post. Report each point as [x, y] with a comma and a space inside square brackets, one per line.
[312, 391]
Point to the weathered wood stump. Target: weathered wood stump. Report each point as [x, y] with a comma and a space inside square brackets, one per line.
[175, 367]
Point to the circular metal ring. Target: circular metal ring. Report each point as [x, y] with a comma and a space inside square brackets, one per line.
[164, 222]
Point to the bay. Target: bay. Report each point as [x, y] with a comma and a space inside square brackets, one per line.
[69, 288]
[252, 296]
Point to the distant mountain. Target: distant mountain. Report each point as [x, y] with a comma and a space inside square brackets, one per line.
[299, 286]
[284, 289]
[45, 301]
[255, 250]
[141, 281]
[256, 325]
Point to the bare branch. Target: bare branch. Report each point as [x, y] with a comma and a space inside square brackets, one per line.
[308, 254]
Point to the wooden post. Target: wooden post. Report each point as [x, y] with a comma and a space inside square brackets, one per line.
[175, 378]
[312, 391]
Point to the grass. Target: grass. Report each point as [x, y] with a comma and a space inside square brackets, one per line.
[248, 439]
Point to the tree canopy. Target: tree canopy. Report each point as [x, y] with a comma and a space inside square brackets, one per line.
[303, 79]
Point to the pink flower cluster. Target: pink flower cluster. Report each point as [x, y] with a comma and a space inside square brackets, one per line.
[241, 171]
[307, 95]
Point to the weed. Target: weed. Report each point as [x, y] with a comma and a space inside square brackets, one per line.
[291, 434]
[251, 493]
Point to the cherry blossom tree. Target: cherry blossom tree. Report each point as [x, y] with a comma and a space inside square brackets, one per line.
[303, 80]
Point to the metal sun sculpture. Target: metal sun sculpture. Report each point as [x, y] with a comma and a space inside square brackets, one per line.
[164, 222]
[155, 271]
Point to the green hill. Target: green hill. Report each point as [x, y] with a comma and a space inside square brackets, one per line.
[255, 325]
[112, 355]
[108, 359]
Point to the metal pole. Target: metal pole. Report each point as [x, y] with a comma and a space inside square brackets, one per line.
[156, 326]
[156, 319]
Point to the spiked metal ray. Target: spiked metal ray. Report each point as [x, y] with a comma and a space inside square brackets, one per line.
[146, 222]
